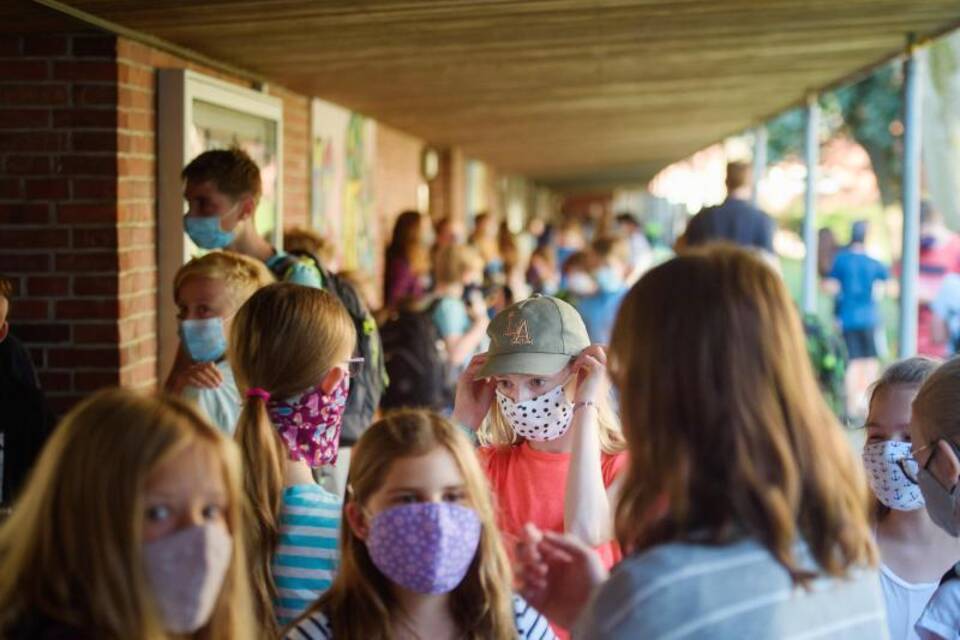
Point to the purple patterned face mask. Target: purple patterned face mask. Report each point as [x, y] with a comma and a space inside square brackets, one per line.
[426, 547]
[310, 423]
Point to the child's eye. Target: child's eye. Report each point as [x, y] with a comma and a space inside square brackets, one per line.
[212, 512]
[405, 499]
[158, 513]
[537, 383]
[454, 496]
[504, 384]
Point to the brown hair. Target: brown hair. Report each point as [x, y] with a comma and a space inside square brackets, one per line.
[360, 603]
[405, 242]
[6, 287]
[935, 407]
[607, 247]
[72, 549]
[309, 241]
[738, 175]
[232, 171]
[285, 339]
[241, 275]
[727, 431]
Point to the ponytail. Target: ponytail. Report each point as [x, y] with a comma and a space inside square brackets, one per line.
[263, 485]
[283, 340]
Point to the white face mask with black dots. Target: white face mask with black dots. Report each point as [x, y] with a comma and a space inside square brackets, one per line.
[543, 418]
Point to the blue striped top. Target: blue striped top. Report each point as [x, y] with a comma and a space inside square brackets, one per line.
[306, 557]
[529, 623]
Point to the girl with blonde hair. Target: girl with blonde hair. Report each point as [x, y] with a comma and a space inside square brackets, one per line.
[550, 444]
[744, 510]
[130, 527]
[914, 552]
[420, 552]
[290, 348]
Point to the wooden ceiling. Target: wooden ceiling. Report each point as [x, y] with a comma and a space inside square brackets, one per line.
[566, 91]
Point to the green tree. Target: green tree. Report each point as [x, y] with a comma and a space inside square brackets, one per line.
[869, 111]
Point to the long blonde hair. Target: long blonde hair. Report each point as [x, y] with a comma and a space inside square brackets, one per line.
[72, 549]
[284, 340]
[728, 434]
[360, 604]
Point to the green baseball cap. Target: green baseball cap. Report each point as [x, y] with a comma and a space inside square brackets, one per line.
[537, 336]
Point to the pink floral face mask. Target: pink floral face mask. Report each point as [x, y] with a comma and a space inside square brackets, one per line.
[310, 423]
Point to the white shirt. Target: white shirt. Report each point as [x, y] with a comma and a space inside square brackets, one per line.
[221, 405]
[905, 602]
[941, 618]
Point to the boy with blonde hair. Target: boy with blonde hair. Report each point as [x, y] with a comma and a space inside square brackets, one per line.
[208, 291]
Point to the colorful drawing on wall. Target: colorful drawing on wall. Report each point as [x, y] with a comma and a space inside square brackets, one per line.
[218, 127]
[323, 174]
[356, 231]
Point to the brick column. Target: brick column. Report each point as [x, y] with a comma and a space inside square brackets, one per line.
[58, 205]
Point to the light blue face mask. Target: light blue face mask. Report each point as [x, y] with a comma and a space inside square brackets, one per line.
[204, 339]
[607, 280]
[206, 233]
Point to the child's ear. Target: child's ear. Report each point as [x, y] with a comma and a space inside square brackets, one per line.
[332, 379]
[356, 520]
[248, 206]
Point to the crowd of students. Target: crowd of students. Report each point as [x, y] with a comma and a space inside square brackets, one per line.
[667, 468]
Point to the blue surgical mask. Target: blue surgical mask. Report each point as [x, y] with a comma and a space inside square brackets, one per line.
[206, 232]
[204, 339]
[608, 280]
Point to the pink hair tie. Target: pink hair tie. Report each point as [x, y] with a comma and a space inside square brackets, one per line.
[257, 392]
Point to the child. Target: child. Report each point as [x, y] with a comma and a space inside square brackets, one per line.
[208, 291]
[420, 553]
[610, 268]
[553, 446]
[461, 328]
[290, 348]
[129, 528]
[222, 188]
[935, 467]
[914, 552]
[27, 417]
[744, 513]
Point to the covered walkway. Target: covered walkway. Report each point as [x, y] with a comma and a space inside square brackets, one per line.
[475, 105]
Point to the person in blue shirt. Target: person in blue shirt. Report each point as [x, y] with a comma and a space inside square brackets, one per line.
[611, 268]
[855, 277]
[461, 323]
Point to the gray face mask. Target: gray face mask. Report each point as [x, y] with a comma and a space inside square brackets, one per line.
[942, 505]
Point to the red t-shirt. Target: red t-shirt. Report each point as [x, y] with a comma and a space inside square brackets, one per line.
[529, 486]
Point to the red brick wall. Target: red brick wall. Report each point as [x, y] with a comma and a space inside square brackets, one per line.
[78, 203]
[58, 212]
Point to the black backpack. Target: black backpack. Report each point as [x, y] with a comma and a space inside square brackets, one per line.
[366, 389]
[414, 360]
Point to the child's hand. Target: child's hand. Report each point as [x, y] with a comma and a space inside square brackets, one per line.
[590, 368]
[474, 397]
[557, 573]
[200, 374]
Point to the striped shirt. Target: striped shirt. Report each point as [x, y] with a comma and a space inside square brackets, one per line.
[731, 592]
[306, 557]
[530, 625]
